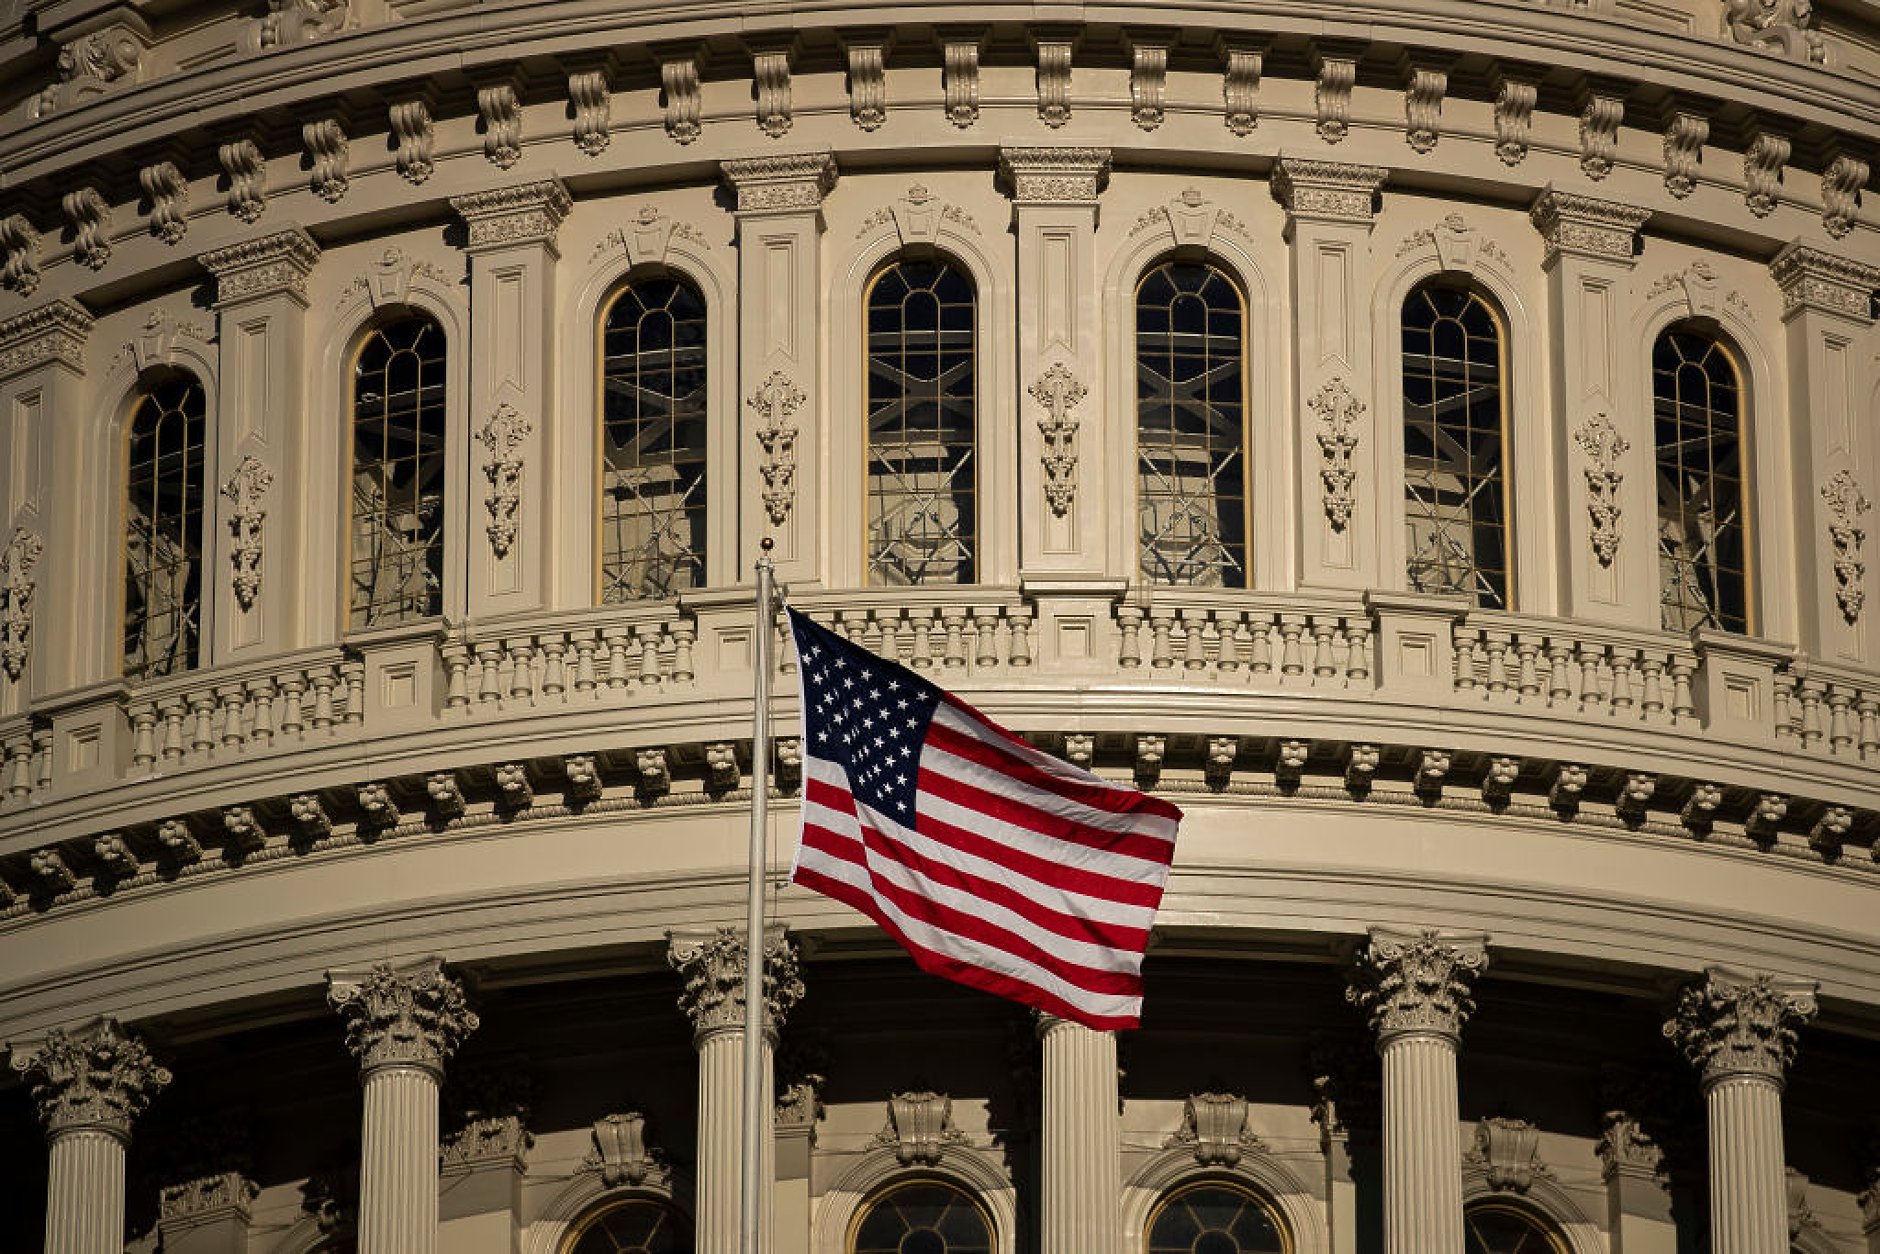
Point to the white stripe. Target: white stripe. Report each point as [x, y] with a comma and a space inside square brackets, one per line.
[1045, 762]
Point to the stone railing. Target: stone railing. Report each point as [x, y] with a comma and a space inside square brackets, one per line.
[1235, 638]
[979, 631]
[190, 719]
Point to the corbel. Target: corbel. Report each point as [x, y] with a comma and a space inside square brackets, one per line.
[867, 50]
[1334, 73]
[680, 67]
[1053, 46]
[771, 61]
[1148, 48]
[960, 47]
[1516, 89]
[1425, 83]
[1602, 108]
[1241, 62]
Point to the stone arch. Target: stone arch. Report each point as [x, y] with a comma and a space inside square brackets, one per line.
[1175, 1168]
[868, 1173]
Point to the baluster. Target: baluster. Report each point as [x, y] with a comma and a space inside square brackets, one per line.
[1787, 724]
[353, 680]
[231, 711]
[261, 704]
[175, 716]
[1840, 730]
[1528, 681]
[986, 622]
[456, 661]
[1590, 695]
[1129, 643]
[1495, 644]
[490, 663]
[1324, 666]
[323, 681]
[616, 639]
[1624, 662]
[554, 669]
[954, 619]
[293, 703]
[586, 678]
[1358, 653]
[13, 765]
[143, 734]
[1869, 728]
[683, 634]
[202, 728]
[648, 636]
[1260, 661]
[1291, 659]
[1652, 703]
[1463, 636]
[1161, 655]
[1020, 619]
[1683, 704]
[1559, 671]
[1194, 638]
[42, 758]
[519, 666]
[922, 620]
[1224, 626]
[1811, 692]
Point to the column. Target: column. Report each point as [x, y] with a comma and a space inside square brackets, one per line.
[1082, 1133]
[1415, 988]
[1827, 312]
[1739, 1030]
[780, 400]
[1329, 211]
[1598, 429]
[402, 1024]
[89, 1085]
[712, 963]
[511, 555]
[253, 604]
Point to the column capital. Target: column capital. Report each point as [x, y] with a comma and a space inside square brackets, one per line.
[1417, 983]
[505, 217]
[1825, 282]
[1054, 175]
[786, 183]
[1326, 191]
[268, 265]
[413, 1015]
[1582, 226]
[1735, 1024]
[712, 962]
[54, 331]
[93, 1078]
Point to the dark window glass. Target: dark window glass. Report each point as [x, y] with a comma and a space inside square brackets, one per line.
[1493, 1228]
[398, 468]
[1455, 498]
[1698, 416]
[922, 425]
[633, 1226]
[1216, 1219]
[652, 515]
[163, 530]
[1191, 472]
[925, 1217]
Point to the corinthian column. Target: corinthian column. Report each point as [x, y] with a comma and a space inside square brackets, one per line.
[1415, 987]
[402, 1024]
[1738, 1030]
[1081, 1133]
[712, 962]
[89, 1086]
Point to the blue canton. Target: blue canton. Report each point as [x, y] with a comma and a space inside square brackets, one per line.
[867, 715]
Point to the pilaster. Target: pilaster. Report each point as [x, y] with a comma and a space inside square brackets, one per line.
[1082, 1136]
[206, 1214]
[511, 248]
[1330, 208]
[780, 393]
[1062, 460]
[1739, 1031]
[255, 469]
[1603, 441]
[485, 1116]
[1415, 988]
[1827, 316]
[712, 964]
[1638, 1207]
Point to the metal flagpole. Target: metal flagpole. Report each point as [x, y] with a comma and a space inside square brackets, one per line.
[754, 1113]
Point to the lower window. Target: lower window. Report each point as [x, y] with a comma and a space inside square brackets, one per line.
[922, 1217]
[1216, 1218]
[634, 1225]
[1498, 1228]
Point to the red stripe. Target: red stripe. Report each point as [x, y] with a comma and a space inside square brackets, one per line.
[1014, 811]
[1071, 879]
[948, 919]
[1023, 755]
[956, 970]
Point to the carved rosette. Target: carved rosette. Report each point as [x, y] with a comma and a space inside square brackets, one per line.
[1338, 412]
[1417, 983]
[1739, 1026]
[17, 589]
[712, 964]
[1059, 392]
[776, 403]
[505, 217]
[1846, 504]
[503, 437]
[96, 1078]
[1604, 446]
[410, 1016]
[246, 489]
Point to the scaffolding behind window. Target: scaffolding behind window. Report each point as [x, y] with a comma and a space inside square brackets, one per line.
[398, 473]
[163, 530]
[1703, 578]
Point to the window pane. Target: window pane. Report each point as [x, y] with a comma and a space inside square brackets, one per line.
[1215, 1219]
[163, 531]
[633, 1226]
[652, 508]
[928, 1217]
[1490, 1228]
[397, 554]
[1191, 495]
[1455, 501]
[922, 425]
[1698, 416]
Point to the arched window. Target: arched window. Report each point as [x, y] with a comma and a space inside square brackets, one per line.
[652, 506]
[398, 474]
[922, 1217]
[1215, 1217]
[922, 424]
[1697, 405]
[1191, 460]
[632, 1225]
[1500, 1228]
[163, 529]
[1455, 492]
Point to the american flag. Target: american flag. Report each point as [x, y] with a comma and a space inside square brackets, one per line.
[992, 863]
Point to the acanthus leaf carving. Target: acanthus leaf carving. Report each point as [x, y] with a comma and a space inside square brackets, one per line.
[624, 1156]
[961, 73]
[17, 590]
[1684, 146]
[88, 214]
[868, 83]
[1846, 504]
[1762, 171]
[1840, 193]
[679, 82]
[168, 192]
[246, 489]
[648, 237]
[247, 194]
[712, 965]
[1331, 97]
[328, 154]
[485, 1115]
[776, 401]
[592, 101]
[920, 1127]
[414, 1015]
[415, 139]
[1214, 1128]
[1599, 134]
[19, 242]
[1507, 1152]
[1514, 113]
[1417, 982]
[1777, 26]
[290, 22]
[1054, 81]
[1148, 83]
[504, 217]
[500, 112]
[1423, 107]
[1240, 86]
[772, 72]
[503, 437]
[1059, 392]
[96, 1077]
[1338, 411]
[1603, 446]
[1734, 1024]
[95, 63]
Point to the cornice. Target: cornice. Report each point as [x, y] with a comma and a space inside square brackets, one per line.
[268, 265]
[52, 332]
[508, 217]
[1824, 282]
[1054, 175]
[1585, 226]
[785, 183]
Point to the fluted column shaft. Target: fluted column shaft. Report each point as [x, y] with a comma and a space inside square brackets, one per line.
[1082, 1129]
[85, 1193]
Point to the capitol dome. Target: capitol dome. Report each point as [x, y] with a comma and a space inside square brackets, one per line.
[1429, 443]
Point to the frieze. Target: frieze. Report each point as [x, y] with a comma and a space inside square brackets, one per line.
[712, 965]
[1811, 279]
[46, 333]
[95, 1078]
[1326, 191]
[1417, 982]
[1070, 176]
[1734, 1024]
[791, 183]
[276, 264]
[506, 217]
[415, 1015]
[1581, 226]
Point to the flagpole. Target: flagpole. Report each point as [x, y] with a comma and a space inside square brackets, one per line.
[754, 1114]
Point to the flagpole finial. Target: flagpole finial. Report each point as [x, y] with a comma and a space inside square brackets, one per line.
[767, 544]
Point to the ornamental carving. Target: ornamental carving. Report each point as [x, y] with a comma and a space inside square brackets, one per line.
[1840, 193]
[960, 59]
[1846, 504]
[1417, 983]
[504, 217]
[776, 403]
[1762, 171]
[1054, 82]
[1603, 446]
[96, 63]
[784, 184]
[272, 265]
[1338, 411]
[96, 1078]
[1058, 392]
[1514, 114]
[1148, 84]
[246, 489]
[1240, 87]
[20, 244]
[247, 194]
[678, 80]
[1812, 279]
[1778, 26]
[1684, 146]
[290, 22]
[712, 964]
[917, 217]
[1331, 98]
[623, 1155]
[50, 332]
[1581, 226]
[89, 215]
[1507, 1152]
[1625, 1148]
[485, 1115]
[648, 237]
[1423, 108]
[772, 73]
[328, 156]
[591, 101]
[1214, 1129]
[868, 84]
[920, 1127]
[225, 1191]
[389, 280]
[1599, 134]
[168, 193]
[414, 140]
[1736, 1025]
[17, 589]
[503, 437]
[1326, 191]
[500, 112]
[1065, 176]
[1455, 243]
[410, 1016]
